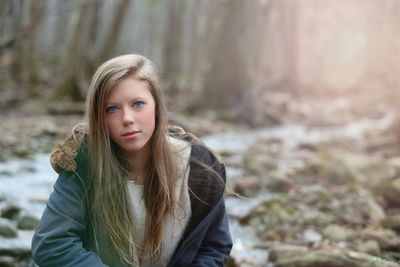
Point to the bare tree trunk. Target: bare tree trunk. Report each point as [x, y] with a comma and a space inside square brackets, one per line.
[289, 10]
[116, 25]
[80, 64]
[25, 66]
[173, 46]
[76, 68]
[226, 77]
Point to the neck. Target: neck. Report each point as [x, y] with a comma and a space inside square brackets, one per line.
[138, 161]
[138, 165]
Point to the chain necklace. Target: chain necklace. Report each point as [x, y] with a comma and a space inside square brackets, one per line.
[134, 179]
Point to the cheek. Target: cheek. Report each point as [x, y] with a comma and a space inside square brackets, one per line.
[151, 119]
[111, 126]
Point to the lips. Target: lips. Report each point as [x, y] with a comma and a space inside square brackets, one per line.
[130, 133]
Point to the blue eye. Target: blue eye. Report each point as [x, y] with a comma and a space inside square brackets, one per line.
[138, 104]
[111, 109]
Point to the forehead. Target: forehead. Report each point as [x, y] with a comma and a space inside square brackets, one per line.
[129, 88]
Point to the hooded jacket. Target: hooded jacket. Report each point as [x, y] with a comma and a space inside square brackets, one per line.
[63, 234]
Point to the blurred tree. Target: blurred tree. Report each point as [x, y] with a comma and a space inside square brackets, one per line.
[25, 70]
[80, 63]
[227, 55]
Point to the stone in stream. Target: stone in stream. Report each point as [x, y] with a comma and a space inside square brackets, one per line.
[7, 228]
[370, 247]
[389, 189]
[6, 173]
[281, 252]
[312, 236]
[283, 256]
[247, 185]
[338, 233]
[16, 250]
[278, 182]
[372, 209]
[27, 222]
[6, 261]
[10, 211]
[341, 167]
[386, 238]
[392, 222]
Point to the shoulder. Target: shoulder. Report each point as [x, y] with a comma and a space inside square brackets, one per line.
[206, 180]
[207, 171]
[206, 167]
[199, 150]
[71, 154]
[206, 156]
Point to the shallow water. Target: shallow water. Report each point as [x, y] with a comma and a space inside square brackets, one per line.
[27, 182]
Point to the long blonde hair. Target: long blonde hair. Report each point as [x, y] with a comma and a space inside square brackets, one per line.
[110, 211]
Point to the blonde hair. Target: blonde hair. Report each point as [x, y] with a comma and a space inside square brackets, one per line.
[110, 211]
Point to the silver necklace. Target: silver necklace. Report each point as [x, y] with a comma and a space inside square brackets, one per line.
[133, 179]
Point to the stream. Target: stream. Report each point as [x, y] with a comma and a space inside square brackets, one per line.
[28, 182]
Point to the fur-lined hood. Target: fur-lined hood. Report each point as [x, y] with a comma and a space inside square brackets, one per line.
[64, 154]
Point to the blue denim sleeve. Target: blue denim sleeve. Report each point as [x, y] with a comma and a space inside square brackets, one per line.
[217, 243]
[58, 239]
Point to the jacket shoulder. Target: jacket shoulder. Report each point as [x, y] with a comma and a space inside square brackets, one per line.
[207, 178]
[67, 154]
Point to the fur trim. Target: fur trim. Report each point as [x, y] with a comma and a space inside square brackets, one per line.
[64, 154]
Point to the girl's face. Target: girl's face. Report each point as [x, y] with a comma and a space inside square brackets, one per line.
[130, 113]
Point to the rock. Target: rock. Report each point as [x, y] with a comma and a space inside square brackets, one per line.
[6, 261]
[281, 252]
[312, 236]
[328, 258]
[6, 173]
[389, 189]
[241, 209]
[279, 183]
[15, 249]
[7, 228]
[315, 194]
[341, 167]
[392, 222]
[387, 239]
[259, 163]
[370, 247]
[337, 233]
[28, 168]
[336, 168]
[22, 150]
[247, 185]
[48, 128]
[27, 222]
[10, 211]
[372, 209]
[308, 146]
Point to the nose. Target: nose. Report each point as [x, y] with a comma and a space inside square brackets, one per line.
[128, 116]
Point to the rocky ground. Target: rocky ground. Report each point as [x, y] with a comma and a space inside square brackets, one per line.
[331, 202]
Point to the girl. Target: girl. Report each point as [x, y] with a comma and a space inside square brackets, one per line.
[131, 190]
